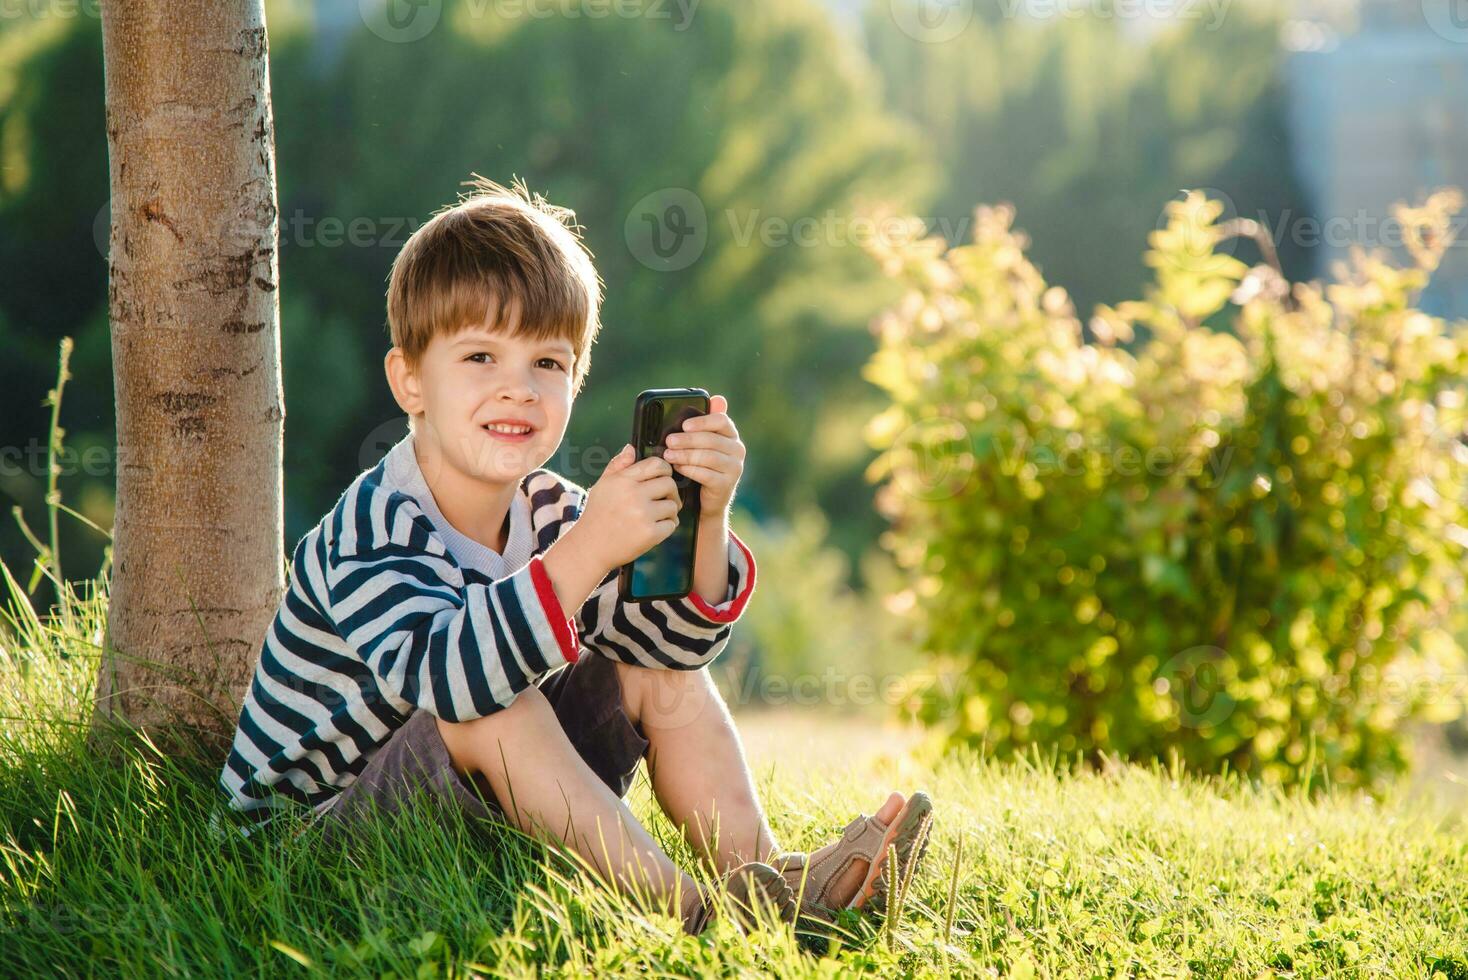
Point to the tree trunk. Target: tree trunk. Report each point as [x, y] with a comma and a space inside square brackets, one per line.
[198, 560]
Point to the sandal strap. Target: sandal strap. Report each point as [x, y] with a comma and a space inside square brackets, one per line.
[911, 848]
[699, 920]
[860, 840]
[774, 889]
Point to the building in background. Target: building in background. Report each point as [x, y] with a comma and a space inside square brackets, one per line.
[1378, 113]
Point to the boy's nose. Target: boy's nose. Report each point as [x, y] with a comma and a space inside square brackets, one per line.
[519, 391]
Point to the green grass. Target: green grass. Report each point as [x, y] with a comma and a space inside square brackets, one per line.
[112, 868]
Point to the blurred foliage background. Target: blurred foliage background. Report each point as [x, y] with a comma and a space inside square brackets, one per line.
[769, 128]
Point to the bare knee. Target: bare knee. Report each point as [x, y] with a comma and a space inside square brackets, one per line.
[475, 744]
[665, 698]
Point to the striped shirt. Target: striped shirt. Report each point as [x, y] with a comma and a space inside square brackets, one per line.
[390, 610]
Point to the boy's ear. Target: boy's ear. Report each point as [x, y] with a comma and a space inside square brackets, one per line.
[407, 389]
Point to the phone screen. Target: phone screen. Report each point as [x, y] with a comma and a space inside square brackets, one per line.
[666, 569]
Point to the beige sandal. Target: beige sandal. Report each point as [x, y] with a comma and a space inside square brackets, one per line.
[812, 876]
[748, 885]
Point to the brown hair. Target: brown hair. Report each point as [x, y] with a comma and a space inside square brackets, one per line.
[501, 251]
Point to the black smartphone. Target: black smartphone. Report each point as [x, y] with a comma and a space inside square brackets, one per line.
[665, 571]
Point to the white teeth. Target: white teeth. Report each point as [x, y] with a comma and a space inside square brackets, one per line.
[509, 429]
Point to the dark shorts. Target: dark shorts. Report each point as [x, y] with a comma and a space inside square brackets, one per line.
[587, 698]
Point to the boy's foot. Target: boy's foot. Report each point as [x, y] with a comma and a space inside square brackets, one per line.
[750, 885]
[851, 872]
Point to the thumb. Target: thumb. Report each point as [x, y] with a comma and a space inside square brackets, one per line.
[624, 458]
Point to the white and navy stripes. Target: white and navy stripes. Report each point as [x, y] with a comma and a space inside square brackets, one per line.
[381, 620]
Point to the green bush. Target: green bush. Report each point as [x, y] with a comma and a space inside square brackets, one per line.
[1226, 522]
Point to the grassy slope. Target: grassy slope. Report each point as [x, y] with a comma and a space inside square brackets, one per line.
[107, 869]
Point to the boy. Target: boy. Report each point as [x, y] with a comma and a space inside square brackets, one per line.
[453, 623]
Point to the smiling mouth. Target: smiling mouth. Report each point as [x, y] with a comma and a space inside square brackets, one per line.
[505, 429]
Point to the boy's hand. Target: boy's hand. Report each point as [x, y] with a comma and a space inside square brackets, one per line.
[709, 452]
[632, 507]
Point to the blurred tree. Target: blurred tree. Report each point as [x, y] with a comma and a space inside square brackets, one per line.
[53, 282]
[197, 545]
[1085, 124]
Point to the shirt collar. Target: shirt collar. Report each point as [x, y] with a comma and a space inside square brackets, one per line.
[405, 475]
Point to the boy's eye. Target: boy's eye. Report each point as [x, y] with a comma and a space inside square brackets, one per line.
[477, 358]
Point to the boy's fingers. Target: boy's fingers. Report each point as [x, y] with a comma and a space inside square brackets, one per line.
[716, 441]
[701, 475]
[661, 495]
[646, 478]
[710, 458]
[713, 422]
[646, 469]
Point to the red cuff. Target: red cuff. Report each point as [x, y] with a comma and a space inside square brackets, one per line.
[564, 628]
[737, 606]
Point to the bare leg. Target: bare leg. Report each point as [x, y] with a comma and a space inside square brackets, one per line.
[697, 765]
[548, 791]
[699, 772]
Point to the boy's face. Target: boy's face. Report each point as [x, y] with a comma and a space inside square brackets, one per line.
[469, 380]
